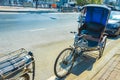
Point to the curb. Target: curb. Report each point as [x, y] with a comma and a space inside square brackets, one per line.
[29, 11]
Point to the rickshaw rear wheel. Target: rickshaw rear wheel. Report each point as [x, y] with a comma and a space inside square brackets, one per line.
[63, 65]
[102, 48]
[25, 77]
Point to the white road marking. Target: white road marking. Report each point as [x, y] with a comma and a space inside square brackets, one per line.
[33, 30]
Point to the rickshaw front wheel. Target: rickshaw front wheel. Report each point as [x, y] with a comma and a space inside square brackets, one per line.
[64, 63]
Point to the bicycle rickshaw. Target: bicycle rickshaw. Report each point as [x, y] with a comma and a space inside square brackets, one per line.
[91, 36]
[17, 65]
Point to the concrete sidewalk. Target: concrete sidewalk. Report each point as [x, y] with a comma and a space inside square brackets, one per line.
[111, 71]
[25, 9]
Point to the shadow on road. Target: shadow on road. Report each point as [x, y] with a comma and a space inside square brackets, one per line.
[82, 64]
[113, 37]
[85, 64]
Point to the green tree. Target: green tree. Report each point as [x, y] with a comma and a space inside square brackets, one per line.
[83, 2]
[99, 1]
[95, 1]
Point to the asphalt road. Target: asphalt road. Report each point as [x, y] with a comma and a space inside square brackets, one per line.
[33, 32]
[26, 30]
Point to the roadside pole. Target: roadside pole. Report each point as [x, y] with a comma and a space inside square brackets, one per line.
[36, 4]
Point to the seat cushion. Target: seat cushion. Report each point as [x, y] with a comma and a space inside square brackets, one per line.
[95, 27]
[93, 34]
[92, 43]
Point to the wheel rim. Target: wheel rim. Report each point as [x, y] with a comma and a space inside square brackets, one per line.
[64, 63]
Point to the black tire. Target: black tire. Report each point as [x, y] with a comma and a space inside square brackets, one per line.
[24, 77]
[33, 69]
[101, 50]
[119, 31]
[63, 64]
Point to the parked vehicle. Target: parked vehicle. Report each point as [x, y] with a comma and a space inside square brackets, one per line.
[113, 26]
[90, 37]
